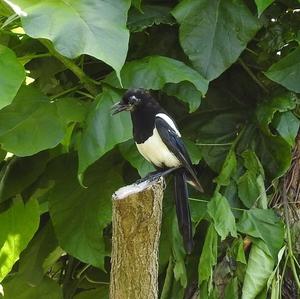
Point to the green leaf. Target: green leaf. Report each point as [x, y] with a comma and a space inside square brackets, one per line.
[18, 225]
[198, 209]
[17, 288]
[137, 4]
[186, 92]
[228, 169]
[287, 125]
[262, 5]
[219, 210]
[79, 214]
[30, 124]
[286, 71]
[240, 253]
[96, 27]
[265, 225]
[31, 265]
[208, 258]
[150, 15]
[103, 131]
[14, 181]
[178, 253]
[232, 289]
[72, 110]
[248, 188]
[130, 153]
[266, 111]
[12, 74]
[101, 293]
[153, 72]
[214, 33]
[274, 153]
[259, 268]
[193, 150]
[252, 163]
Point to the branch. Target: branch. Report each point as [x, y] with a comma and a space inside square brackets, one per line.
[87, 81]
[251, 74]
[136, 221]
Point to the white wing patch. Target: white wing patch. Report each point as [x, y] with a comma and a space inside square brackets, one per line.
[155, 151]
[169, 121]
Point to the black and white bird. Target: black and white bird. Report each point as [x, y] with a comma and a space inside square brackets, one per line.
[159, 141]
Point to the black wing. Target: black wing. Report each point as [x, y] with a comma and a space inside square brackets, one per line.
[175, 144]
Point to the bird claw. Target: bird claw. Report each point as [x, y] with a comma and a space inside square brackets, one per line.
[153, 176]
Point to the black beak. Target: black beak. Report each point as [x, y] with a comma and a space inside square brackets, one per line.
[118, 107]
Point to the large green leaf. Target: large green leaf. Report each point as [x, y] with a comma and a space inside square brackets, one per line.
[149, 16]
[186, 92]
[103, 131]
[79, 214]
[232, 289]
[180, 273]
[30, 124]
[131, 154]
[154, 72]
[266, 111]
[248, 188]
[274, 153]
[31, 265]
[287, 125]
[18, 225]
[93, 27]
[228, 169]
[12, 74]
[14, 181]
[219, 210]
[208, 258]
[262, 5]
[16, 288]
[213, 33]
[252, 163]
[265, 225]
[287, 71]
[259, 268]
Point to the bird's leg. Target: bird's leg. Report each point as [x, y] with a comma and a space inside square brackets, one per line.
[156, 174]
[147, 177]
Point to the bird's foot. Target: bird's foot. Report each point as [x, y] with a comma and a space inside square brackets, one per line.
[155, 175]
[148, 177]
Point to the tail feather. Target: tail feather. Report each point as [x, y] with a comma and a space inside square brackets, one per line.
[183, 210]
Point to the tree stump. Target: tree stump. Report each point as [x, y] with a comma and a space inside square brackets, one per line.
[136, 222]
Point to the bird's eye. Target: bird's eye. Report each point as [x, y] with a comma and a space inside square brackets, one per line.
[133, 100]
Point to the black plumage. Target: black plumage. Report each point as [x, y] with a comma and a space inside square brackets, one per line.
[159, 141]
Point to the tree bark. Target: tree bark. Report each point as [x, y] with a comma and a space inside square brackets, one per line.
[136, 221]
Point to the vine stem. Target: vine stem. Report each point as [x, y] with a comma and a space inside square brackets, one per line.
[64, 92]
[87, 81]
[207, 201]
[289, 238]
[250, 73]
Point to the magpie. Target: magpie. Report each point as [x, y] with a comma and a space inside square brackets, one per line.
[158, 140]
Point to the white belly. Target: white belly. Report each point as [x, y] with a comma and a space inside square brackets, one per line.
[156, 152]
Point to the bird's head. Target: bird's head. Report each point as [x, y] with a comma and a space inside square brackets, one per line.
[131, 100]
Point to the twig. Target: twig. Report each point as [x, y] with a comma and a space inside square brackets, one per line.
[87, 81]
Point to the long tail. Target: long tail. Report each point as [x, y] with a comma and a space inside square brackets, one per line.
[183, 209]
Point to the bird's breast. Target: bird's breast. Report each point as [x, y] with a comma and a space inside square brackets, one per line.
[155, 151]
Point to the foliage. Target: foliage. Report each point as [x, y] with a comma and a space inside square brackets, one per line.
[228, 71]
